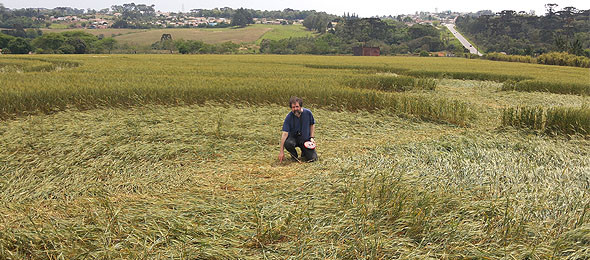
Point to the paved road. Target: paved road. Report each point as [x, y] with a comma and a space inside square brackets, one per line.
[462, 39]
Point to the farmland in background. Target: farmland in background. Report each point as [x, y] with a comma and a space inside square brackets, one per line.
[174, 156]
[252, 33]
[105, 32]
[209, 35]
[278, 32]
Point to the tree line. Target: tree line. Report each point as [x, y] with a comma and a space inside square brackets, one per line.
[393, 37]
[227, 12]
[69, 42]
[134, 16]
[567, 30]
[33, 17]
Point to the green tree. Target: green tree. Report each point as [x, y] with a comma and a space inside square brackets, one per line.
[87, 37]
[19, 46]
[79, 40]
[367, 29]
[66, 49]
[182, 46]
[576, 47]
[242, 18]
[509, 32]
[321, 46]
[190, 46]
[167, 45]
[120, 24]
[4, 40]
[108, 43]
[135, 12]
[80, 46]
[426, 43]
[317, 22]
[227, 47]
[49, 42]
[419, 30]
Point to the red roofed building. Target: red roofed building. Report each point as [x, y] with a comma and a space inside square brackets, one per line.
[366, 51]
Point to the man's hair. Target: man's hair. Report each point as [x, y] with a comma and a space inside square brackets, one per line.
[294, 100]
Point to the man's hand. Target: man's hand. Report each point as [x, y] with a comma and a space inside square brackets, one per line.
[281, 156]
[312, 140]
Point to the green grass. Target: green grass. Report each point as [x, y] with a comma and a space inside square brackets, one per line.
[278, 32]
[446, 34]
[58, 26]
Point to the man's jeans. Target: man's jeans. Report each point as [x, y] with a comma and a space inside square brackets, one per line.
[310, 155]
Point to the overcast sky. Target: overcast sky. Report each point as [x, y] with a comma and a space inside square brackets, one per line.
[338, 7]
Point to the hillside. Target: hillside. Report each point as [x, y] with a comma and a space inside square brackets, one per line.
[252, 33]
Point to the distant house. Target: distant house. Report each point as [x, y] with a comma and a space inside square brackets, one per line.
[366, 51]
[331, 27]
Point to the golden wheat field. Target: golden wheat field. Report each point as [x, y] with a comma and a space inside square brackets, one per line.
[175, 157]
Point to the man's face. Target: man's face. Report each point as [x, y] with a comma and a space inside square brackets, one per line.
[296, 108]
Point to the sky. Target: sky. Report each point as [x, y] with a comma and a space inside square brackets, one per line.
[337, 7]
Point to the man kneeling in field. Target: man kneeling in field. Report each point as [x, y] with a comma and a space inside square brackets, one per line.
[298, 131]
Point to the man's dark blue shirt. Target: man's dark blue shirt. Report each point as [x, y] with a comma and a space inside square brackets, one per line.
[294, 124]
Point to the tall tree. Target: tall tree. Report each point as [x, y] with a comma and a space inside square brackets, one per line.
[242, 18]
[550, 8]
[317, 22]
[108, 43]
[19, 46]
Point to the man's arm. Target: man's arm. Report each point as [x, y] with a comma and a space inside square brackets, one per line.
[312, 133]
[282, 152]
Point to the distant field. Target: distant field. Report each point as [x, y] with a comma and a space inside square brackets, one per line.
[283, 31]
[253, 33]
[58, 26]
[105, 32]
[239, 35]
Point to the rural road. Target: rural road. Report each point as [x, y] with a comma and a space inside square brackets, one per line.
[462, 39]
